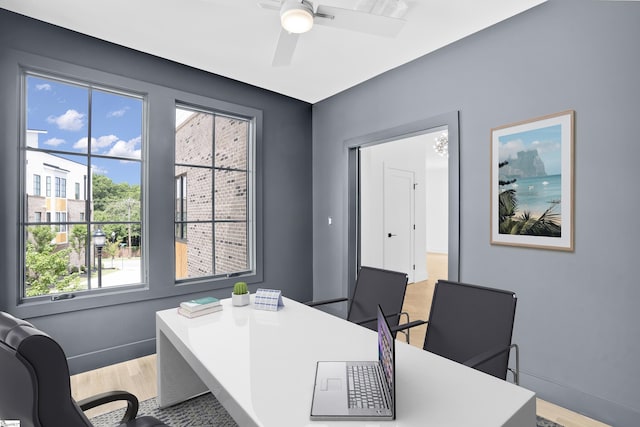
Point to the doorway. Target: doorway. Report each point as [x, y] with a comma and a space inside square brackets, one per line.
[404, 205]
[367, 232]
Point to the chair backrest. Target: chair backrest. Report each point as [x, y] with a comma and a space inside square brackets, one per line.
[34, 387]
[467, 320]
[377, 286]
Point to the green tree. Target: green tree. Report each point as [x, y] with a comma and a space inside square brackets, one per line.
[42, 237]
[116, 203]
[78, 239]
[46, 268]
[111, 249]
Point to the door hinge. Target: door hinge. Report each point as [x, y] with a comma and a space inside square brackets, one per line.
[414, 266]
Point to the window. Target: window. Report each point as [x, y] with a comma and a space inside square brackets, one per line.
[61, 187]
[94, 137]
[61, 219]
[36, 185]
[214, 194]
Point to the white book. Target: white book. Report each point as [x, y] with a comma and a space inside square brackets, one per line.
[192, 314]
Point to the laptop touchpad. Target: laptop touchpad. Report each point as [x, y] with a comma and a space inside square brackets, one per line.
[332, 384]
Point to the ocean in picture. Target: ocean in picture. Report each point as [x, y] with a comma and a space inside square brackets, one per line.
[537, 194]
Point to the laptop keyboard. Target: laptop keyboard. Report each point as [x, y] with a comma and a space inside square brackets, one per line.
[364, 387]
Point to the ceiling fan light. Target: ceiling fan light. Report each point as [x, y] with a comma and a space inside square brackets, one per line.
[296, 16]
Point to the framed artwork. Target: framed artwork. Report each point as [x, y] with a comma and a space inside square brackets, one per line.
[532, 183]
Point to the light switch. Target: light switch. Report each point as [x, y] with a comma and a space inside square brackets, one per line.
[330, 220]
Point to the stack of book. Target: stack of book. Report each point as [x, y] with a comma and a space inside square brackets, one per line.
[199, 307]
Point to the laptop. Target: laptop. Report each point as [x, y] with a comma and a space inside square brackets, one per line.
[358, 391]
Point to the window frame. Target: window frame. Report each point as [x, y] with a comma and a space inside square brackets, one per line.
[158, 229]
[250, 207]
[57, 185]
[180, 189]
[37, 190]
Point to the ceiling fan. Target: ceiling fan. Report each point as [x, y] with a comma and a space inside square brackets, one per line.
[377, 17]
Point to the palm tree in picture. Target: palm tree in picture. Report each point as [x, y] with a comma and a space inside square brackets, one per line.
[548, 224]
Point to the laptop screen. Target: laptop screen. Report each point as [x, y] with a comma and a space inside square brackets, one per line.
[386, 350]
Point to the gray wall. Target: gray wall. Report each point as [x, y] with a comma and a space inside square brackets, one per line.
[577, 318]
[108, 330]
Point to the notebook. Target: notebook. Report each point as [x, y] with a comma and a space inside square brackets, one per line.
[358, 391]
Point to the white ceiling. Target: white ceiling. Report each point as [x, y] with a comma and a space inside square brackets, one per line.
[236, 38]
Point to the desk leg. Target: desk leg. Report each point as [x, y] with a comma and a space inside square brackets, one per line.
[525, 416]
[177, 381]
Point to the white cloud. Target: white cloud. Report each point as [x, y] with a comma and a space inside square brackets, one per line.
[98, 170]
[104, 141]
[96, 143]
[126, 149]
[510, 149]
[546, 146]
[81, 144]
[117, 113]
[71, 120]
[43, 86]
[54, 141]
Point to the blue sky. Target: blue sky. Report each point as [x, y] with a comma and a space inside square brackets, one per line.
[62, 110]
[547, 141]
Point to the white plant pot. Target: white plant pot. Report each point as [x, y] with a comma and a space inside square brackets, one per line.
[240, 300]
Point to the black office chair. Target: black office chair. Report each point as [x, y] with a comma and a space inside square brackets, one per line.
[472, 325]
[375, 286]
[35, 387]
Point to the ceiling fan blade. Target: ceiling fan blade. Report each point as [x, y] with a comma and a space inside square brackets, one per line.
[357, 20]
[284, 49]
[392, 8]
[270, 4]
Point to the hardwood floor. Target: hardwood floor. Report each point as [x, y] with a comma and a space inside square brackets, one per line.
[138, 376]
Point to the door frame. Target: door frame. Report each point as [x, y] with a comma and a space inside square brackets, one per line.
[451, 122]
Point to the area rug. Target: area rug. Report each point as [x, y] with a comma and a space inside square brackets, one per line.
[201, 411]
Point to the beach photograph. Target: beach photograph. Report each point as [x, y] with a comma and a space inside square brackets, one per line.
[531, 182]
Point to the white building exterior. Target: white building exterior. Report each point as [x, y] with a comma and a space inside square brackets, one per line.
[56, 188]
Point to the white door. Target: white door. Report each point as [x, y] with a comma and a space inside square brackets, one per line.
[399, 229]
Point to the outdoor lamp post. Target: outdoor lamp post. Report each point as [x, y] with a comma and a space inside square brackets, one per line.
[99, 239]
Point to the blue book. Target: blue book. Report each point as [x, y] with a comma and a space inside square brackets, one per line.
[200, 304]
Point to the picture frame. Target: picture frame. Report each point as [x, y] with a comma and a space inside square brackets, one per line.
[532, 183]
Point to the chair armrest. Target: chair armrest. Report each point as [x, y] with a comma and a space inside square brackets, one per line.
[371, 319]
[409, 325]
[112, 396]
[485, 356]
[323, 302]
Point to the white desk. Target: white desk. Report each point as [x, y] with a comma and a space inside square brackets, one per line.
[261, 367]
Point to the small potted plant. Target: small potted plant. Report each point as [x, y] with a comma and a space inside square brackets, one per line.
[240, 294]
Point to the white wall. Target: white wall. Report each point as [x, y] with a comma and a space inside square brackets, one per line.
[437, 183]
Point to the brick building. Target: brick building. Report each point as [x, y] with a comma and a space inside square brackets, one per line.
[211, 195]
